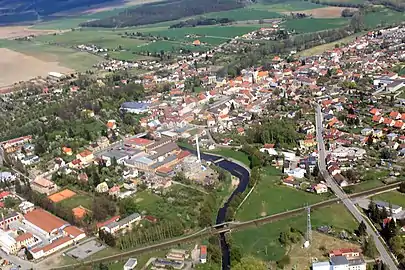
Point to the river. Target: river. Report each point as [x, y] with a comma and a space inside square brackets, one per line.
[243, 175]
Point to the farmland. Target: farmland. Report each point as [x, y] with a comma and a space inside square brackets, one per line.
[393, 197]
[308, 25]
[287, 6]
[263, 241]
[269, 197]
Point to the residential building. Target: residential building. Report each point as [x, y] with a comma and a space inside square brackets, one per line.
[130, 264]
[135, 107]
[43, 185]
[203, 254]
[112, 226]
[102, 187]
[395, 209]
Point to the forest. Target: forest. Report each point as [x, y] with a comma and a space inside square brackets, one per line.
[158, 12]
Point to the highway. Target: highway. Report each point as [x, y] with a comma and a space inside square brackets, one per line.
[385, 255]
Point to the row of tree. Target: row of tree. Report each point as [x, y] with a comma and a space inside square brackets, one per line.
[200, 22]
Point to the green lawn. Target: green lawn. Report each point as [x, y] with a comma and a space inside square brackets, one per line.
[366, 185]
[256, 241]
[142, 260]
[238, 155]
[84, 200]
[269, 197]
[309, 25]
[393, 197]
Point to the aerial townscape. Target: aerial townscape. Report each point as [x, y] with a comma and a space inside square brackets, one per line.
[215, 134]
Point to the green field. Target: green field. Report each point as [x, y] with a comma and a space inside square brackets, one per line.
[288, 6]
[84, 200]
[269, 197]
[393, 197]
[363, 186]
[244, 14]
[238, 155]
[343, 1]
[309, 25]
[256, 241]
[67, 57]
[383, 17]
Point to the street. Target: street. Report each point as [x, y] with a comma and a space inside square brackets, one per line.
[385, 256]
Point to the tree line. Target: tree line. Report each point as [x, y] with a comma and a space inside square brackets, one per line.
[201, 21]
[158, 12]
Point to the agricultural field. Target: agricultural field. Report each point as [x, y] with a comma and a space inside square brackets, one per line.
[244, 14]
[343, 1]
[309, 25]
[383, 17]
[287, 6]
[325, 12]
[263, 241]
[270, 197]
[51, 56]
[393, 197]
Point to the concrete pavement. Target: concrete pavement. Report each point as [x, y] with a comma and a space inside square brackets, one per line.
[385, 255]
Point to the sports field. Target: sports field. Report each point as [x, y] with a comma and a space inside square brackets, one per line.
[263, 241]
[270, 197]
[61, 195]
[81, 199]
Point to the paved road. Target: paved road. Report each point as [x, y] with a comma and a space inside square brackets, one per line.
[385, 256]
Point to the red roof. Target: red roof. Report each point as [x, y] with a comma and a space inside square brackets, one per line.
[4, 194]
[140, 141]
[399, 124]
[388, 121]
[23, 237]
[394, 114]
[203, 250]
[44, 220]
[108, 221]
[341, 251]
[52, 245]
[376, 118]
[268, 145]
[183, 154]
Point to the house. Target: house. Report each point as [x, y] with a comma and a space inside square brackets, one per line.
[203, 254]
[102, 187]
[395, 115]
[135, 107]
[269, 149]
[196, 42]
[43, 185]
[130, 264]
[296, 172]
[116, 225]
[111, 124]
[26, 206]
[86, 156]
[395, 209]
[320, 188]
[82, 177]
[67, 151]
[347, 252]
[340, 180]
[290, 181]
[114, 191]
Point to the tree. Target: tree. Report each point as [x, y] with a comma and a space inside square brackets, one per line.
[205, 217]
[402, 187]
[236, 254]
[250, 263]
[28, 254]
[17, 186]
[362, 229]
[215, 253]
[284, 261]
[369, 248]
[100, 266]
[128, 206]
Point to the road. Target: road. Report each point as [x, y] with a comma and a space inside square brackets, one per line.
[385, 256]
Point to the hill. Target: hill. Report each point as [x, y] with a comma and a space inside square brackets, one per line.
[14, 11]
[165, 11]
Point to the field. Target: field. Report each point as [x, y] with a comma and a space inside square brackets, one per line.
[343, 1]
[329, 46]
[325, 12]
[244, 14]
[383, 17]
[12, 32]
[393, 197]
[263, 241]
[364, 186]
[81, 199]
[12, 70]
[308, 25]
[288, 6]
[61, 195]
[49, 58]
[269, 197]
[237, 155]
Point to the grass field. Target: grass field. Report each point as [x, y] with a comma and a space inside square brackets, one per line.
[383, 17]
[329, 46]
[67, 57]
[269, 197]
[366, 185]
[244, 14]
[84, 200]
[288, 6]
[238, 155]
[256, 241]
[308, 25]
[393, 197]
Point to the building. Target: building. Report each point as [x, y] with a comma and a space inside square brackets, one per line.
[26, 206]
[203, 254]
[43, 185]
[102, 187]
[321, 266]
[341, 263]
[320, 188]
[135, 107]
[113, 226]
[347, 252]
[395, 209]
[130, 264]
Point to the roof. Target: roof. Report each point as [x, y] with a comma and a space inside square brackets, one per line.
[4, 194]
[387, 205]
[108, 221]
[339, 260]
[139, 141]
[23, 237]
[134, 105]
[339, 252]
[85, 153]
[73, 231]
[43, 182]
[131, 263]
[44, 220]
[52, 245]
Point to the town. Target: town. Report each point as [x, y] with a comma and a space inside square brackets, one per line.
[93, 167]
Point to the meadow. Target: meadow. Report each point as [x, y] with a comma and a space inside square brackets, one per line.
[393, 197]
[287, 6]
[383, 17]
[263, 241]
[270, 197]
[309, 25]
[244, 14]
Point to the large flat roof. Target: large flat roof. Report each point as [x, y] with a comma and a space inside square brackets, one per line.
[44, 220]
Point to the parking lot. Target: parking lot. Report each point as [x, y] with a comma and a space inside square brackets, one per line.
[85, 250]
